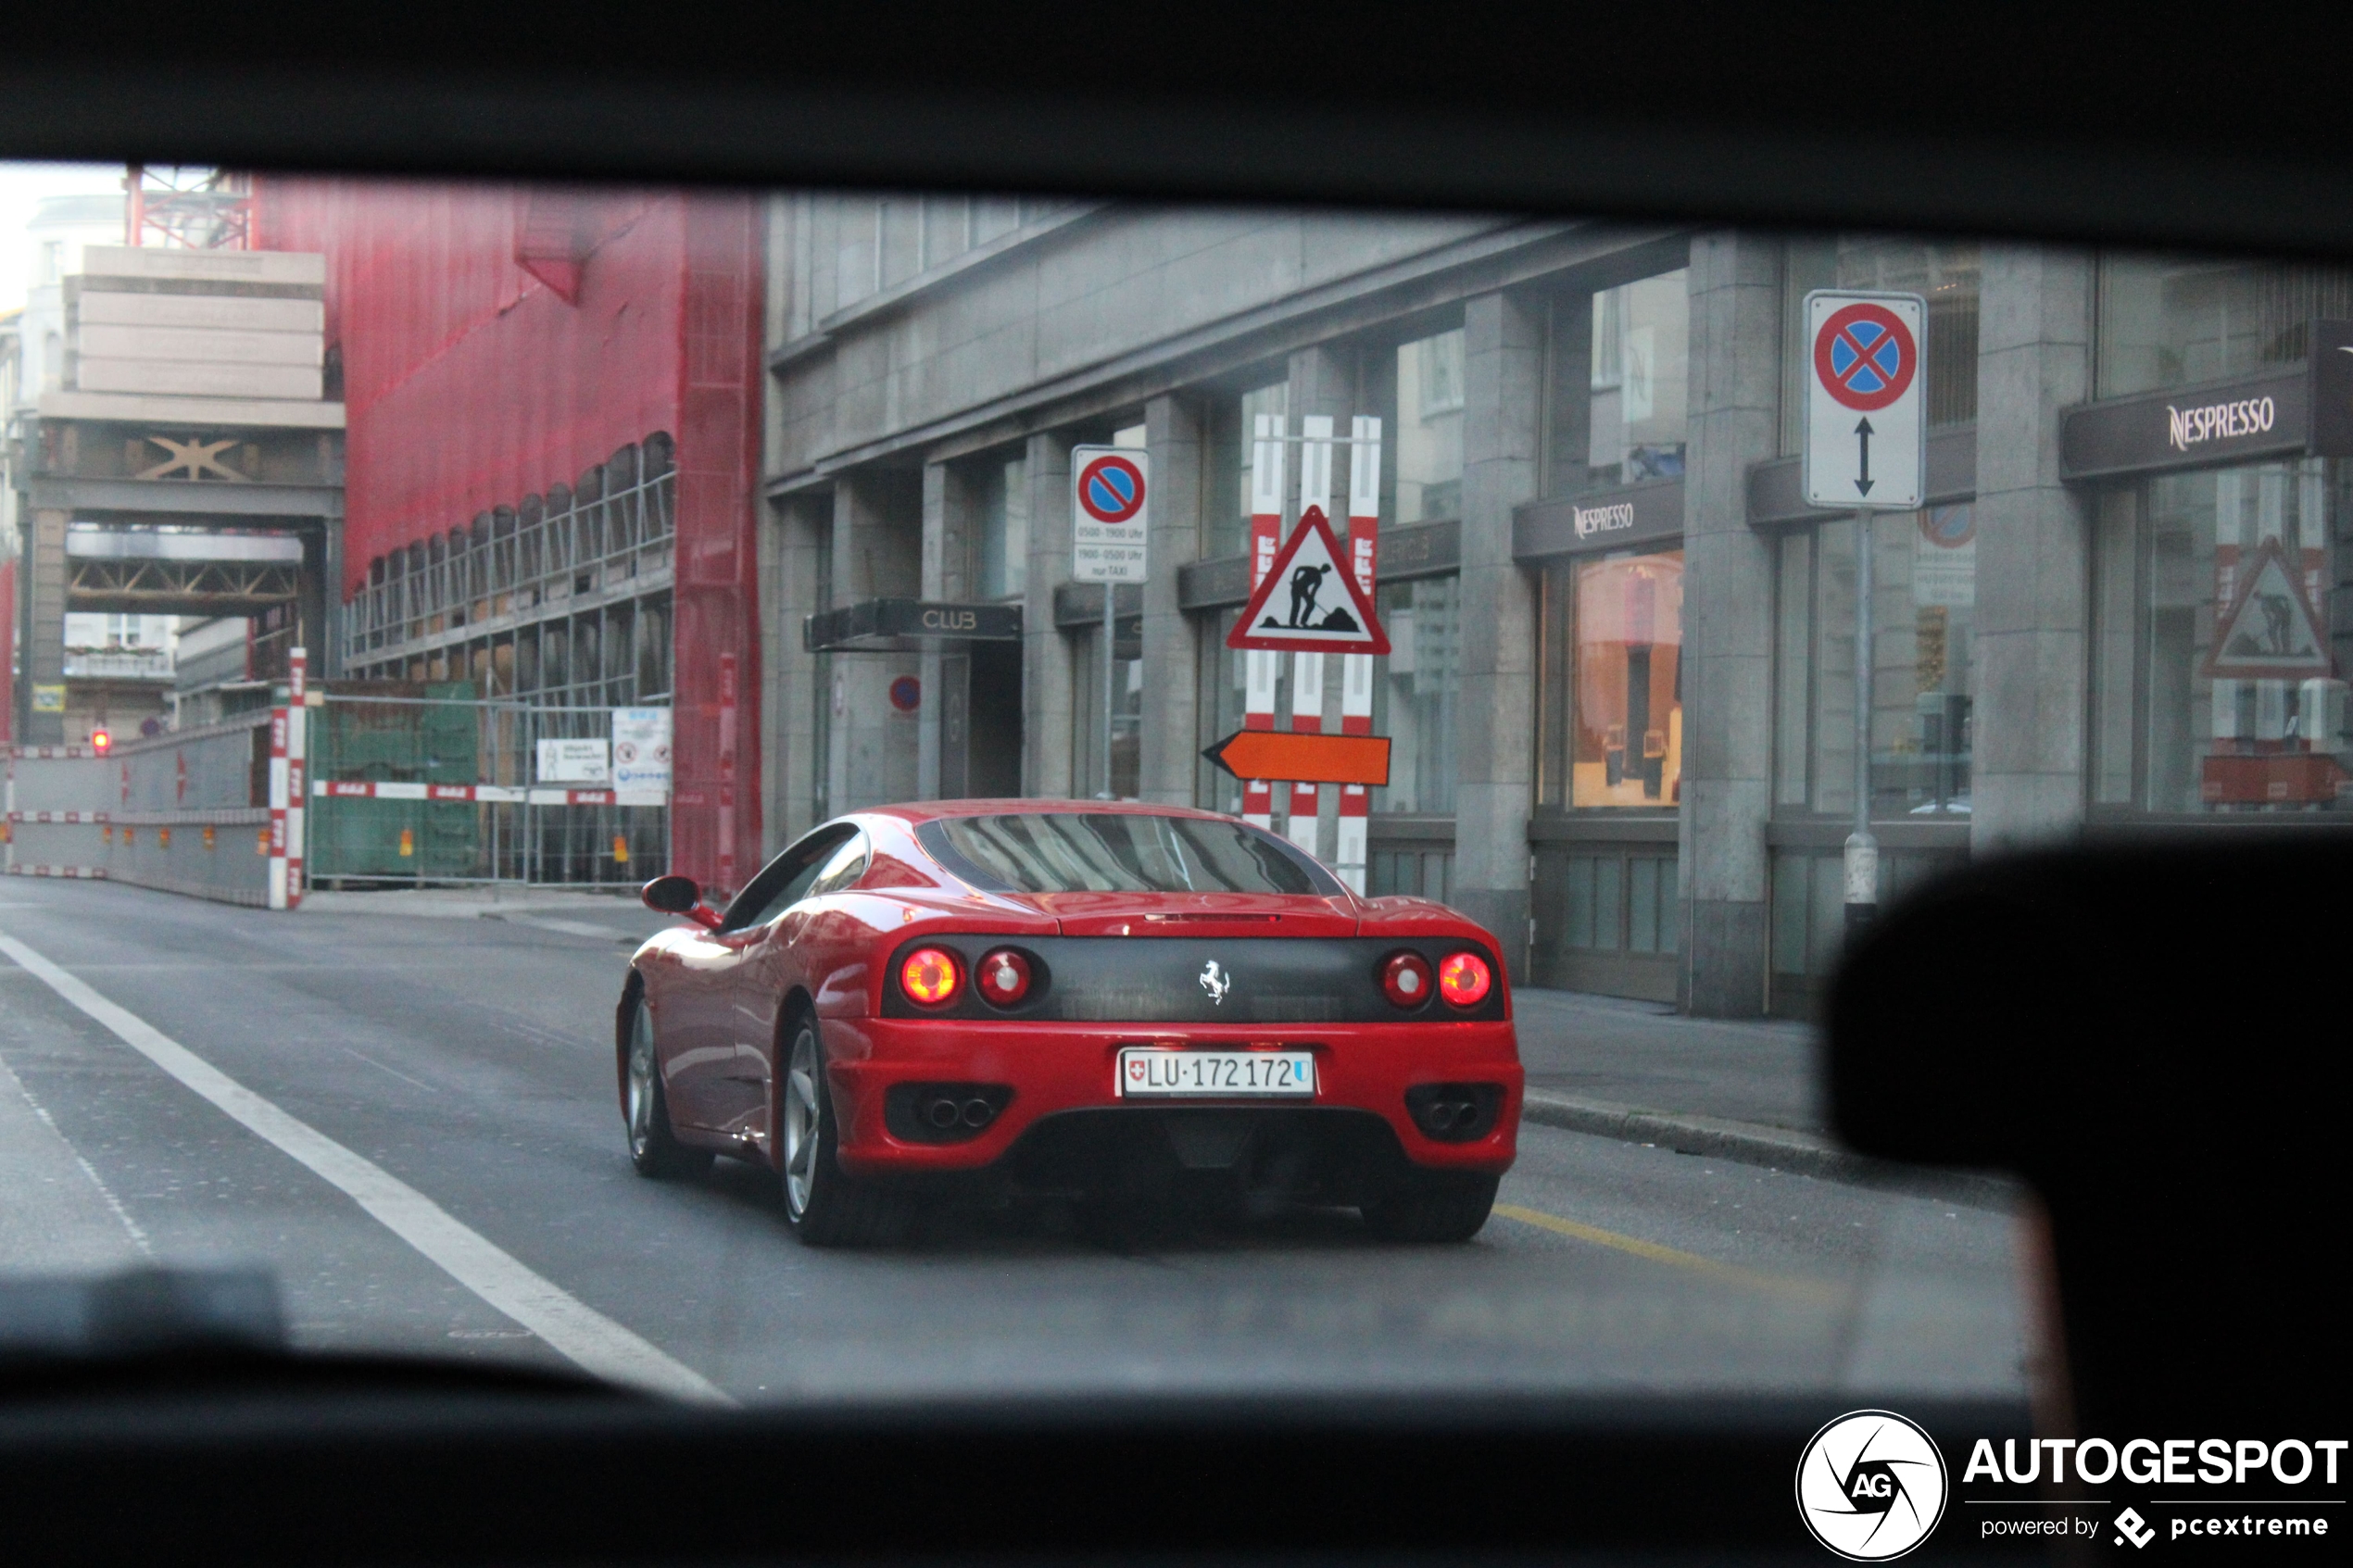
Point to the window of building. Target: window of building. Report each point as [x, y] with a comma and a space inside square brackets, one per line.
[1945, 274]
[53, 261]
[1426, 439]
[1001, 555]
[1226, 515]
[1923, 677]
[1126, 711]
[1414, 692]
[2218, 685]
[1613, 706]
[1618, 371]
[2171, 320]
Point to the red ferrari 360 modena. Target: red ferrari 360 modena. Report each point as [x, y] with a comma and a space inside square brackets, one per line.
[1110, 1002]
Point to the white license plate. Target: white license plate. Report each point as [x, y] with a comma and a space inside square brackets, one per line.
[1157, 1073]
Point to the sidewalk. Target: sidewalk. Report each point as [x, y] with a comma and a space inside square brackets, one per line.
[1747, 1092]
[615, 915]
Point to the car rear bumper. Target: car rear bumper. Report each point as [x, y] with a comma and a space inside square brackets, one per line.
[1063, 1095]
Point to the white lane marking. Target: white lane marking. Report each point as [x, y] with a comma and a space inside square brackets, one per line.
[106, 1194]
[598, 1345]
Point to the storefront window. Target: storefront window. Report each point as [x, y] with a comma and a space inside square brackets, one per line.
[1414, 691]
[1945, 275]
[2170, 321]
[1923, 646]
[2230, 698]
[1626, 724]
[1428, 440]
[1225, 517]
[1002, 564]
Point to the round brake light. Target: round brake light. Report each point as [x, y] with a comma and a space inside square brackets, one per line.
[1003, 977]
[929, 977]
[1464, 979]
[1405, 979]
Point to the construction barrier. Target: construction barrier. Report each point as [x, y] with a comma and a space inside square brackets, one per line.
[348, 790]
[185, 811]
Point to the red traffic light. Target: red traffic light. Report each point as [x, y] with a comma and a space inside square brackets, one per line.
[101, 742]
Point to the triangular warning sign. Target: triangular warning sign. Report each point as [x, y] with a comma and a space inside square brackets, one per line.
[2269, 631]
[1308, 602]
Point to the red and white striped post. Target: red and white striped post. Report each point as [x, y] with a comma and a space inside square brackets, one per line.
[298, 771]
[1349, 856]
[1307, 668]
[278, 780]
[1269, 463]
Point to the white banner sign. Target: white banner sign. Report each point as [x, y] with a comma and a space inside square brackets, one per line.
[574, 761]
[1110, 513]
[641, 748]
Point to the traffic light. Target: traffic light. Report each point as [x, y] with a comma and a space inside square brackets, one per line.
[101, 742]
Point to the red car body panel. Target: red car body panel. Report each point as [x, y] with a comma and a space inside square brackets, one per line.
[720, 1001]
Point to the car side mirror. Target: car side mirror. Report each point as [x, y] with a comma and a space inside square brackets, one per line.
[675, 895]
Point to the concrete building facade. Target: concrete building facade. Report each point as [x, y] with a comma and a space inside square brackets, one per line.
[1620, 693]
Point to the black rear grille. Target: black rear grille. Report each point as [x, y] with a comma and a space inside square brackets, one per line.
[1160, 980]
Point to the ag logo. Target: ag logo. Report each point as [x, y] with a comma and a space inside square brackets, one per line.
[1871, 1486]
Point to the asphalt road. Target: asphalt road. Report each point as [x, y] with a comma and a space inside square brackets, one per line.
[470, 1060]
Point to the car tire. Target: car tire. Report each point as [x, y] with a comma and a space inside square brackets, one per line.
[654, 1148]
[825, 1205]
[1433, 1207]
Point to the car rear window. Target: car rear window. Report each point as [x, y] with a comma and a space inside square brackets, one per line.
[1118, 852]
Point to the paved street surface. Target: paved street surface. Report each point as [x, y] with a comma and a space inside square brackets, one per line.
[471, 1059]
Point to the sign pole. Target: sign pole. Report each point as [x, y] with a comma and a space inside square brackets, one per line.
[1110, 543]
[1862, 849]
[1111, 649]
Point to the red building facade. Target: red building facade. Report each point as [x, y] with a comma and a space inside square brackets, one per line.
[494, 345]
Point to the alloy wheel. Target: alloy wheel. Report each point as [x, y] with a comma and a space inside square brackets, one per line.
[802, 1123]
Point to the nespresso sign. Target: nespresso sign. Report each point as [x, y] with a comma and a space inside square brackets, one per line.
[2293, 411]
[1634, 515]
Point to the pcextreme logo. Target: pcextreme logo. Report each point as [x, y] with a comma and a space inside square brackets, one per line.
[1871, 1486]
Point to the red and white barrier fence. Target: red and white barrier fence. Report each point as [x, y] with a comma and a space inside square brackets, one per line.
[502, 794]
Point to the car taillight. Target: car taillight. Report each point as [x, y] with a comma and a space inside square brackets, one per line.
[1464, 979]
[1003, 977]
[929, 976]
[1405, 979]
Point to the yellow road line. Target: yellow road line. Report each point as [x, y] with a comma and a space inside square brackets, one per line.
[1731, 1273]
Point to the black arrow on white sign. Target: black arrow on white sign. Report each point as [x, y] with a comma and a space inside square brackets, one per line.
[1863, 457]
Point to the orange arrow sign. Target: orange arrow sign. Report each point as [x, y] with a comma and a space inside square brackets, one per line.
[1296, 759]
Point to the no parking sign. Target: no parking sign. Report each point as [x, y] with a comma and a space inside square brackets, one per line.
[1867, 384]
[1110, 512]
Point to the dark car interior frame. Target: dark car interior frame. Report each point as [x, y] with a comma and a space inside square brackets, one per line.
[2188, 1278]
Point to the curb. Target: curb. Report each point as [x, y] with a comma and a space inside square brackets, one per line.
[1779, 1148]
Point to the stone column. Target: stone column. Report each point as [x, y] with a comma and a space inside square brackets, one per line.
[1504, 340]
[874, 555]
[934, 585]
[1728, 625]
[1045, 652]
[2034, 336]
[43, 658]
[790, 552]
[1172, 655]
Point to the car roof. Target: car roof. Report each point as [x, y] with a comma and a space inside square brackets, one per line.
[920, 811]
